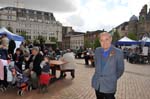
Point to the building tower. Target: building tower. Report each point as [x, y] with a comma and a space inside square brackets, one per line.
[143, 13]
[144, 22]
[133, 24]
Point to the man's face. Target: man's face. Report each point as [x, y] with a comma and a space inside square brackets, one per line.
[34, 52]
[105, 41]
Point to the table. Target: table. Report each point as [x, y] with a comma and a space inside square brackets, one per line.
[54, 64]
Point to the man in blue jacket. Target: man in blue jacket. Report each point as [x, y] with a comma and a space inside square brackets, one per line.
[109, 66]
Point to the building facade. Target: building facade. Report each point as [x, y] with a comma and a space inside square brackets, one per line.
[143, 26]
[122, 29]
[90, 38]
[72, 39]
[77, 40]
[31, 22]
[139, 26]
[66, 30]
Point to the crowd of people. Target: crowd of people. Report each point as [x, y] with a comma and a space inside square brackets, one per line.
[34, 62]
[87, 54]
[135, 55]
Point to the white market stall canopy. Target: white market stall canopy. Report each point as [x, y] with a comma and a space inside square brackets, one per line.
[126, 41]
[145, 41]
[10, 35]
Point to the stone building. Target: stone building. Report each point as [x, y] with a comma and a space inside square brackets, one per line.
[66, 37]
[73, 40]
[77, 40]
[122, 29]
[90, 38]
[144, 22]
[139, 26]
[32, 22]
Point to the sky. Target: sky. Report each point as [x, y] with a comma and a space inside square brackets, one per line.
[85, 15]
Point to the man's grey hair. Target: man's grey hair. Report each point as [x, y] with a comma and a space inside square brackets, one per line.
[68, 50]
[105, 33]
[36, 49]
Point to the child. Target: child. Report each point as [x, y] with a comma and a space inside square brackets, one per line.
[45, 74]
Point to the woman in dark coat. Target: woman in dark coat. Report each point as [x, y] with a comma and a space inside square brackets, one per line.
[11, 47]
[18, 58]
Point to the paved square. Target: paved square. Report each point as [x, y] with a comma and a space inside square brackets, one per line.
[134, 84]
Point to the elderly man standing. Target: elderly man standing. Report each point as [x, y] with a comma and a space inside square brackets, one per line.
[109, 66]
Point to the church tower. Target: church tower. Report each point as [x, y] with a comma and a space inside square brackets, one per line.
[143, 13]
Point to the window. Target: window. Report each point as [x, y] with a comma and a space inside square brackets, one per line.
[9, 17]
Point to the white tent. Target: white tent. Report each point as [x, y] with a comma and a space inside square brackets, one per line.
[146, 39]
[11, 35]
[126, 39]
[18, 39]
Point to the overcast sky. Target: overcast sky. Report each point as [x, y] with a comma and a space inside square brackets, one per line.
[85, 15]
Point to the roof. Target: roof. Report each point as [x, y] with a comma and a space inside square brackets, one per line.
[124, 24]
[134, 18]
[93, 32]
[76, 33]
[126, 39]
[15, 8]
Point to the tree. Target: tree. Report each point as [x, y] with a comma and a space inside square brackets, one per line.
[10, 29]
[132, 36]
[24, 34]
[53, 39]
[96, 43]
[28, 41]
[41, 39]
[115, 36]
[36, 42]
[87, 44]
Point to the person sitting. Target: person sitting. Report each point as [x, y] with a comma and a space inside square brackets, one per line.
[58, 54]
[18, 59]
[33, 65]
[69, 58]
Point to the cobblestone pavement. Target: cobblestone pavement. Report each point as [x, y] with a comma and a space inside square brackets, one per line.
[134, 84]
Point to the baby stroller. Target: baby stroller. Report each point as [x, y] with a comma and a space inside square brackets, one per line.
[21, 80]
[22, 83]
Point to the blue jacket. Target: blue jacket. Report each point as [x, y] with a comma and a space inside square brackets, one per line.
[106, 80]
